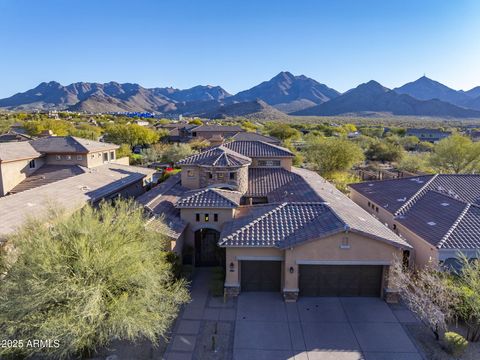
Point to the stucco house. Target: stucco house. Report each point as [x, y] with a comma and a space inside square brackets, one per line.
[274, 227]
[439, 215]
[65, 172]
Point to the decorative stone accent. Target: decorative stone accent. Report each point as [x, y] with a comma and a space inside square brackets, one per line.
[290, 296]
[231, 291]
[391, 296]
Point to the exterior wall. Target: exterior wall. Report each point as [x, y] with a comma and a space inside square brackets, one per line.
[96, 158]
[201, 179]
[285, 163]
[14, 172]
[235, 256]
[51, 159]
[122, 161]
[328, 250]
[131, 191]
[190, 182]
[423, 252]
[189, 216]
[382, 215]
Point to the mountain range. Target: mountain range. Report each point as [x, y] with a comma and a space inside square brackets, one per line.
[285, 94]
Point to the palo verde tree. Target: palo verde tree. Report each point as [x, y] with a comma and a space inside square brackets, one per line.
[456, 154]
[87, 279]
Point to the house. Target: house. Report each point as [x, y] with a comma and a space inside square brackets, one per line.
[11, 135]
[429, 135]
[207, 132]
[64, 171]
[253, 136]
[439, 215]
[274, 227]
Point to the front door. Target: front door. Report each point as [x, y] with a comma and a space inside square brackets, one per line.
[207, 252]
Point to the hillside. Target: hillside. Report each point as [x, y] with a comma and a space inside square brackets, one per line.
[372, 96]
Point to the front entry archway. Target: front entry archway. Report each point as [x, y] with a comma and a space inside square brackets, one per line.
[207, 252]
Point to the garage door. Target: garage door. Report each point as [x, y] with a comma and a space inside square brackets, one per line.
[260, 275]
[340, 280]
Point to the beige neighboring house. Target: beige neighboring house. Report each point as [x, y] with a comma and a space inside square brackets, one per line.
[274, 227]
[439, 215]
[61, 171]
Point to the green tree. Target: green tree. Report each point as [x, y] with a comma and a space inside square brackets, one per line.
[283, 131]
[131, 134]
[177, 152]
[456, 154]
[58, 127]
[329, 155]
[196, 122]
[87, 279]
[382, 150]
[124, 150]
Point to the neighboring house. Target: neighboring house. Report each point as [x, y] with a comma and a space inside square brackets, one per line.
[273, 226]
[207, 132]
[20, 160]
[12, 136]
[252, 136]
[474, 135]
[439, 215]
[66, 172]
[429, 135]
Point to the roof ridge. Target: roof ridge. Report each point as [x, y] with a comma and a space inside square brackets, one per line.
[218, 192]
[186, 198]
[414, 196]
[454, 226]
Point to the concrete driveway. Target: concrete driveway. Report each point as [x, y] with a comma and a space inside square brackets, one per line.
[318, 328]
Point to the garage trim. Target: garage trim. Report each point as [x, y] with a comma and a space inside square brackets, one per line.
[342, 262]
[259, 258]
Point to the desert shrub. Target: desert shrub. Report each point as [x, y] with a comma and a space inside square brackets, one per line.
[455, 344]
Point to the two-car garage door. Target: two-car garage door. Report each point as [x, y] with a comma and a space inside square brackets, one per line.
[340, 280]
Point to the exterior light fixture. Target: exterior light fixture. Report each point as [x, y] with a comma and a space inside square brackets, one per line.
[291, 269]
[232, 267]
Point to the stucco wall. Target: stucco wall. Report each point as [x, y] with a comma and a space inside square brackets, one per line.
[96, 158]
[423, 253]
[189, 216]
[14, 172]
[382, 215]
[286, 163]
[75, 159]
[190, 182]
[200, 177]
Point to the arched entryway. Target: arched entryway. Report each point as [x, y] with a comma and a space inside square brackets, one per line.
[207, 252]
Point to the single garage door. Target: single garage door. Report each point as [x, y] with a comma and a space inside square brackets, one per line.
[260, 275]
[340, 280]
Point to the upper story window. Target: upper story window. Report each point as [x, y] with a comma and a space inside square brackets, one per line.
[58, 157]
[79, 157]
[112, 155]
[206, 217]
[105, 156]
[269, 163]
[220, 176]
[232, 176]
[68, 157]
[190, 173]
[92, 156]
[215, 217]
[31, 164]
[197, 217]
[210, 175]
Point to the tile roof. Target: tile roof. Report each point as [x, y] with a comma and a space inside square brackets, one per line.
[48, 174]
[252, 136]
[69, 144]
[160, 203]
[11, 151]
[258, 149]
[282, 226]
[210, 198]
[70, 194]
[442, 209]
[216, 156]
[358, 219]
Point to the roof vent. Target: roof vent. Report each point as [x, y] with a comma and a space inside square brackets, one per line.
[432, 223]
[445, 204]
[402, 199]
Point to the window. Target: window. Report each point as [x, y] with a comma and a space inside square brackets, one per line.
[210, 175]
[269, 163]
[232, 176]
[394, 226]
[31, 164]
[369, 204]
[206, 217]
[220, 176]
[215, 217]
[345, 244]
[92, 156]
[58, 157]
[194, 134]
[68, 157]
[376, 209]
[197, 217]
[99, 155]
[112, 155]
[190, 173]
[79, 157]
[105, 156]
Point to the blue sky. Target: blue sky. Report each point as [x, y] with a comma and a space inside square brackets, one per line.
[237, 44]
